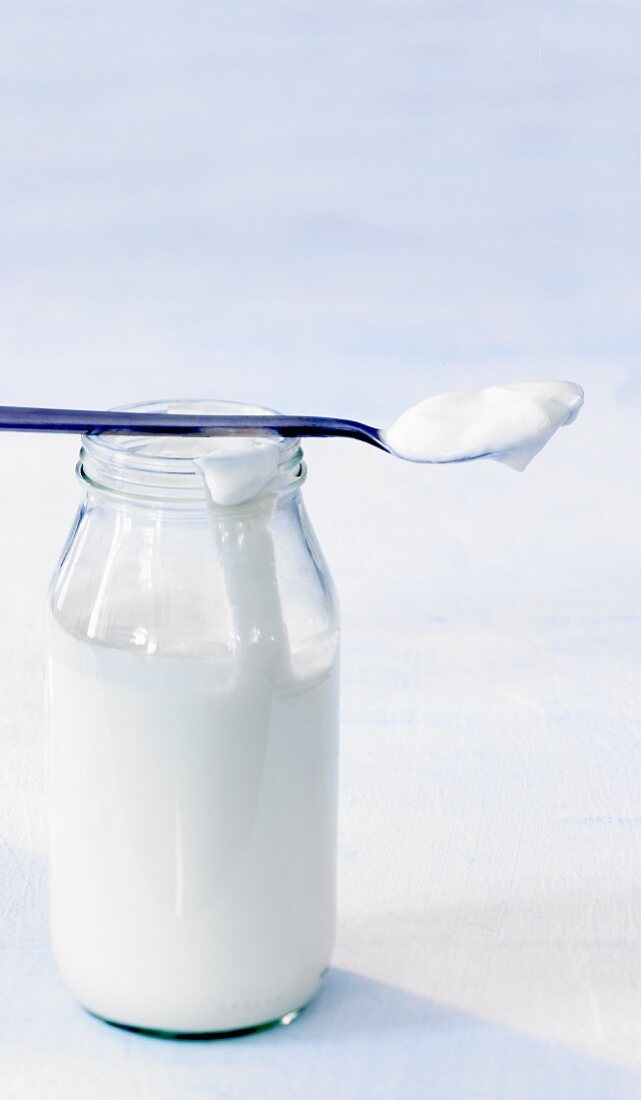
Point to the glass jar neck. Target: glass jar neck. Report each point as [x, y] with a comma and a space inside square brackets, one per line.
[121, 468]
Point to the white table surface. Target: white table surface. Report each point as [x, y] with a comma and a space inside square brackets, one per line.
[338, 208]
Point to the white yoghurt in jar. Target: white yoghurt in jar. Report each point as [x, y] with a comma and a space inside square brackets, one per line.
[193, 837]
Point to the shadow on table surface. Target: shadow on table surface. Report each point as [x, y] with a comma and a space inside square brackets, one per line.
[367, 1039]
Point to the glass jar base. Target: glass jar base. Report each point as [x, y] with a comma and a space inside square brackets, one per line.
[191, 1036]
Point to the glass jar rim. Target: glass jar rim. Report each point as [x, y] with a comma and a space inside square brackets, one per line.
[116, 462]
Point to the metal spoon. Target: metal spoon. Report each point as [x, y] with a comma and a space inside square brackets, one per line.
[454, 427]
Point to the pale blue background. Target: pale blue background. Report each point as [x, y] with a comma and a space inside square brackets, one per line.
[337, 208]
[269, 199]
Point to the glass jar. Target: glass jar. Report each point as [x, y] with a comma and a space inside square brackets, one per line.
[192, 680]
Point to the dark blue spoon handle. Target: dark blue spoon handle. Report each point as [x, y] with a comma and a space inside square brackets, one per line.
[16, 418]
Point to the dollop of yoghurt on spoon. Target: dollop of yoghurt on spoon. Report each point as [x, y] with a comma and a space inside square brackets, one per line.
[510, 423]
